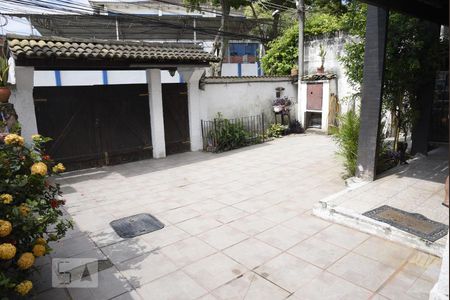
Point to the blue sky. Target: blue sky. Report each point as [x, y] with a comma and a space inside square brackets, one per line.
[21, 25]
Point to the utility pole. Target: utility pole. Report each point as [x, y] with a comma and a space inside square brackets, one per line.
[301, 26]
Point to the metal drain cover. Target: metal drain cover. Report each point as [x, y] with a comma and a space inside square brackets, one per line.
[413, 223]
[136, 225]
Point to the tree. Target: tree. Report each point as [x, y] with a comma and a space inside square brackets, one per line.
[282, 55]
[220, 44]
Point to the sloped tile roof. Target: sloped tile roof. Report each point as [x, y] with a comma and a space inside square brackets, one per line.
[23, 47]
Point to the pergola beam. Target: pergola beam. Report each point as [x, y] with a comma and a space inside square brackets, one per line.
[435, 10]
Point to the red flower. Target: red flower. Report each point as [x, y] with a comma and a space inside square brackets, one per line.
[56, 203]
[46, 157]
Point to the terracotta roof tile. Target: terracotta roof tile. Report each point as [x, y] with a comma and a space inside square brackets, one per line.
[25, 47]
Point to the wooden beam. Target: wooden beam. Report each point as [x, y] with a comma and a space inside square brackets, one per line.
[437, 13]
[372, 91]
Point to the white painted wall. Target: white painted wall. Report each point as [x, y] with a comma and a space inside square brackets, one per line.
[44, 78]
[75, 78]
[240, 97]
[156, 113]
[335, 48]
[22, 98]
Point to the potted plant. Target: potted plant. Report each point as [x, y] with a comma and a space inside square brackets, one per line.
[322, 54]
[5, 92]
[281, 105]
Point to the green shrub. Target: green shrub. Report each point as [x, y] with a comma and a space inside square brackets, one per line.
[276, 130]
[228, 135]
[346, 136]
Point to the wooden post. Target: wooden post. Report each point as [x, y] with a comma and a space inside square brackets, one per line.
[372, 91]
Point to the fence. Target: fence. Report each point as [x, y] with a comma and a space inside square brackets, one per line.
[223, 134]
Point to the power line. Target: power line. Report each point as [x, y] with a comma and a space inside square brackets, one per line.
[88, 11]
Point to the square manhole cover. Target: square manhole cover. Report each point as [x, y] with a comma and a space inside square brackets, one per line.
[136, 225]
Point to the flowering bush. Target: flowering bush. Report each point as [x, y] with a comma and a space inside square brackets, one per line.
[30, 211]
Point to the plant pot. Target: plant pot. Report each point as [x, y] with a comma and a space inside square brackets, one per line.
[4, 94]
[277, 109]
[294, 72]
[321, 70]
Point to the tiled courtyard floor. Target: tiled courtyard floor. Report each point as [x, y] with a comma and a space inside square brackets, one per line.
[238, 226]
[416, 188]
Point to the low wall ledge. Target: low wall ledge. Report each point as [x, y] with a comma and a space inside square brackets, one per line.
[246, 79]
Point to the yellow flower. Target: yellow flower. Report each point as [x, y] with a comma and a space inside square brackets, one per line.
[39, 168]
[24, 287]
[14, 139]
[6, 198]
[39, 250]
[36, 137]
[24, 209]
[41, 241]
[5, 228]
[59, 168]
[25, 261]
[7, 251]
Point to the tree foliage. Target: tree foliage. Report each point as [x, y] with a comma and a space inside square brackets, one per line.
[411, 56]
[323, 17]
[282, 55]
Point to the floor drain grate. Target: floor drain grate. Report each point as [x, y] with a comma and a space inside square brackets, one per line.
[413, 223]
[136, 225]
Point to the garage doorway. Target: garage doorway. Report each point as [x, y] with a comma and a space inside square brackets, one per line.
[99, 125]
[95, 125]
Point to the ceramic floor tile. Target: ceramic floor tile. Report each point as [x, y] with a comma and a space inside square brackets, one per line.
[342, 236]
[386, 252]
[146, 268]
[179, 214]
[110, 284]
[318, 252]
[174, 286]
[281, 237]
[277, 214]
[251, 253]
[199, 225]
[132, 295]
[166, 236]
[59, 294]
[126, 249]
[252, 224]
[223, 237]
[228, 214]
[250, 287]
[420, 289]
[214, 271]
[362, 271]
[419, 262]
[187, 251]
[306, 224]
[330, 287]
[397, 286]
[105, 237]
[288, 272]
